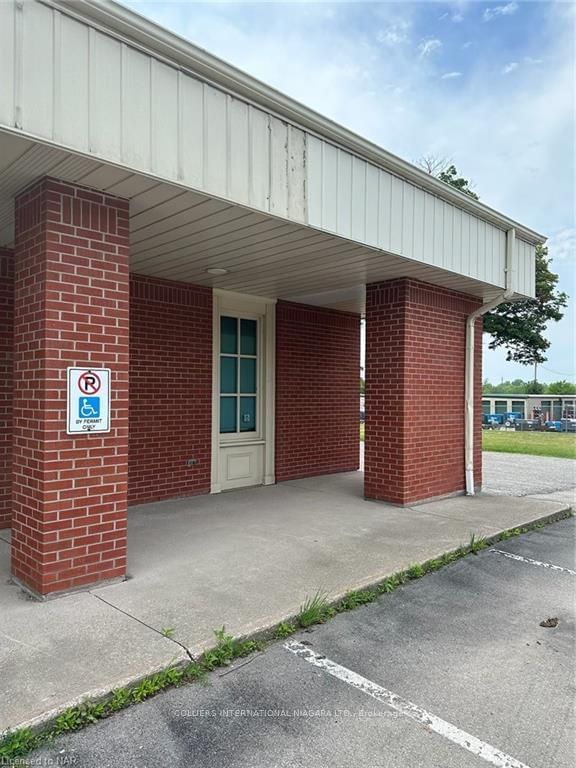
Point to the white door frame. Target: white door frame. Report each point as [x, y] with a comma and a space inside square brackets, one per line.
[265, 310]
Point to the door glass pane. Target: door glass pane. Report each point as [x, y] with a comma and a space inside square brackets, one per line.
[227, 414]
[247, 337]
[501, 406]
[228, 335]
[485, 406]
[228, 374]
[247, 414]
[247, 375]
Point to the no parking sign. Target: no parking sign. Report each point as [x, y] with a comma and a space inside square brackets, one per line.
[88, 400]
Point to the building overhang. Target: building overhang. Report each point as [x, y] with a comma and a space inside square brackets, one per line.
[224, 172]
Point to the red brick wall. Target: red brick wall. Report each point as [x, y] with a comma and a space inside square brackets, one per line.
[170, 389]
[71, 309]
[415, 350]
[317, 391]
[6, 382]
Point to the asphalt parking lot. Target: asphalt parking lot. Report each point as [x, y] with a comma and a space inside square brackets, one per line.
[451, 670]
[517, 474]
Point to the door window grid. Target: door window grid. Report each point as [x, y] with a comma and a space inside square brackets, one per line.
[238, 375]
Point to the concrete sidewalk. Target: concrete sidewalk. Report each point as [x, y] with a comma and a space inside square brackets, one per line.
[246, 559]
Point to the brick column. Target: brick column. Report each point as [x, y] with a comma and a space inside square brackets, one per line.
[415, 351]
[6, 385]
[71, 309]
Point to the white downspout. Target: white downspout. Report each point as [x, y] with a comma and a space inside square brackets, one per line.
[469, 364]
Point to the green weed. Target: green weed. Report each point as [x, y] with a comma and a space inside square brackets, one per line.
[415, 571]
[315, 610]
[284, 629]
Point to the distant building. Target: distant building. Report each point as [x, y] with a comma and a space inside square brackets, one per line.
[552, 407]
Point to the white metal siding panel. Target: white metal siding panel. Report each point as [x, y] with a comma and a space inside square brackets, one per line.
[191, 115]
[525, 268]
[329, 187]
[296, 174]
[105, 95]
[465, 260]
[164, 133]
[372, 205]
[71, 124]
[429, 222]
[215, 141]
[358, 230]
[314, 191]
[396, 213]
[385, 211]
[408, 220]
[448, 247]
[419, 240]
[238, 162]
[344, 193]
[278, 167]
[530, 256]
[136, 108]
[7, 56]
[456, 237]
[499, 255]
[438, 243]
[259, 159]
[37, 69]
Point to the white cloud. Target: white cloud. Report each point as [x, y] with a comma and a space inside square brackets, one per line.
[510, 67]
[427, 47]
[394, 33]
[530, 60]
[392, 36]
[500, 10]
[450, 75]
[455, 17]
[562, 245]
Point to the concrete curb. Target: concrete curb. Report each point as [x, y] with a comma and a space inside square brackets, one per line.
[264, 632]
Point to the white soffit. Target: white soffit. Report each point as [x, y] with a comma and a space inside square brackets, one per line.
[178, 234]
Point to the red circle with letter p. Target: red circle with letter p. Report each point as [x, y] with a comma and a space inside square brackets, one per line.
[89, 383]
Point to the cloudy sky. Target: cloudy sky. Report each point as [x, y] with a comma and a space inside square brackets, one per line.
[488, 85]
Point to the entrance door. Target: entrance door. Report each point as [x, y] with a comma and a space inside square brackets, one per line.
[243, 428]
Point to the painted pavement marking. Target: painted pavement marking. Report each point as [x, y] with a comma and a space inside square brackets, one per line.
[530, 561]
[405, 707]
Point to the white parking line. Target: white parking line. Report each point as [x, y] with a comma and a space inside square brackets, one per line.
[533, 562]
[407, 708]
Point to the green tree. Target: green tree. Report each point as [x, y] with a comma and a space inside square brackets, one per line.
[535, 388]
[517, 326]
[450, 176]
[446, 171]
[520, 326]
[561, 388]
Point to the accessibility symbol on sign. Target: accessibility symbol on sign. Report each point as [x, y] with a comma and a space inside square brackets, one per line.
[89, 408]
[88, 400]
[89, 383]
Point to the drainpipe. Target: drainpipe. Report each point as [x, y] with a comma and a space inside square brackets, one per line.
[469, 364]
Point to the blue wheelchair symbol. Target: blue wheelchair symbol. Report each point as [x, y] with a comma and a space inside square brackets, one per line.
[89, 408]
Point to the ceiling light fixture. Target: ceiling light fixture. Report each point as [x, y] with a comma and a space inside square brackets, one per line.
[217, 271]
